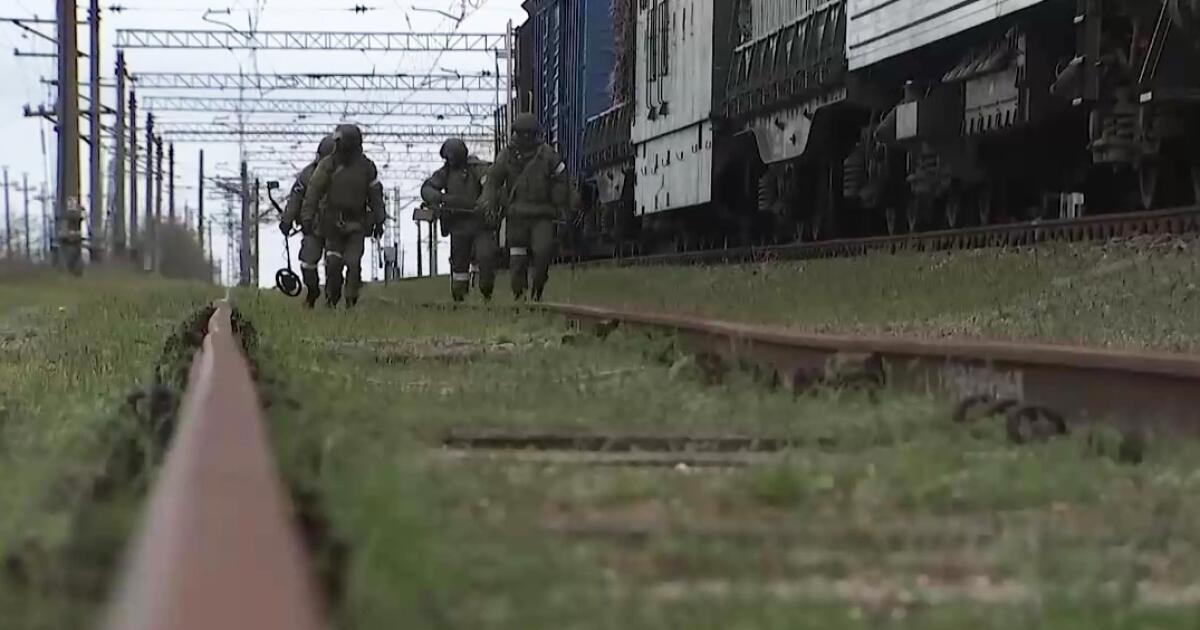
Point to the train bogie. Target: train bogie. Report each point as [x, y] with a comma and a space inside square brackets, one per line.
[757, 120]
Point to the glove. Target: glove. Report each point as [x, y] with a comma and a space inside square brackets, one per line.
[285, 227]
[377, 231]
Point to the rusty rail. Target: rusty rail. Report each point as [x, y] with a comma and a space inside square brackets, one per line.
[1133, 390]
[1099, 227]
[217, 547]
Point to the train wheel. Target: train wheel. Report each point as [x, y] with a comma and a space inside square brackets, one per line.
[890, 218]
[984, 205]
[1196, 182]
[816, 227]
[953, 208]
[1149, 174]
[915, 213]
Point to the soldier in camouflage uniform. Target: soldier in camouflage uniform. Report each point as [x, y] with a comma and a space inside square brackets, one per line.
[453, 192]
[311, 245]
[343, 205]
[528, 184]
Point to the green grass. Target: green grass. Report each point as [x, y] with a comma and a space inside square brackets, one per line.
[901, 518]
[1120, 294]
[70, 352]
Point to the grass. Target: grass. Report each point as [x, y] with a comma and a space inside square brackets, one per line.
[901, 518]
[1130, 294]
[70, 352]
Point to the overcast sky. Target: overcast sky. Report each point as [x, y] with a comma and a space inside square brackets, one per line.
[23, 137]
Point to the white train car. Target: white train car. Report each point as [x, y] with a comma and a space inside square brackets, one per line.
[880, 29]
[672, 129]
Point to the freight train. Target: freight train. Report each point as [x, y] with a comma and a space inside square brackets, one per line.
[690, 124]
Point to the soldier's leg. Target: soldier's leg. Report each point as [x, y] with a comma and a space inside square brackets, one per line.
[311, 247]
[335, 262]
[460, 263]
[517, 240]
[356, 245]
[485, 249]
[541, 246]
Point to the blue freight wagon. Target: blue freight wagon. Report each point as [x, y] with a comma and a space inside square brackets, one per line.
[572, 60]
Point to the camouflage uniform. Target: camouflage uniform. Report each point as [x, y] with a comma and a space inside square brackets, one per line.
[311, 245]
[453, 190]
[344, 204]
[529, 185]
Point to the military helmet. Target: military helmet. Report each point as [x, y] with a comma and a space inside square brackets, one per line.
[526, 123]
[328, 144]
[454, 151]
[349, 138]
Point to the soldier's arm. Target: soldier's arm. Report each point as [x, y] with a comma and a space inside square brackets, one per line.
[375, 198]
[291, 211]
[560, 181]
[432, 189]
[317, 187]
[496, 177]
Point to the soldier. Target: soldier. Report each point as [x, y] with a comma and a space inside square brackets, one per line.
[343, 205]
[311, 245]
[453, 192]
[528, 185]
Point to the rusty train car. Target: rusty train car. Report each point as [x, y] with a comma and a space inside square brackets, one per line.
[751, 121]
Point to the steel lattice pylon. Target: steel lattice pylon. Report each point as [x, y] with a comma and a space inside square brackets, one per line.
[309, 40]
[318, 106]
[381, 82]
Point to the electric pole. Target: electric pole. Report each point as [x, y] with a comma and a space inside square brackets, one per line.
[432, 249]
[171, 182]
[151, 231]
[158, 200]
[254, 258]
[8, 251]
[96, 177]
[47, 223]
[200, 211]
[244, 249]
[420, 254]
[133, 176]
[69, 217]
[25, 195]
[118, 218]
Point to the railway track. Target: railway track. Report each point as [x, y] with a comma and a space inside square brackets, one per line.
[1101, 227]
[1036, 387]
[219, 546]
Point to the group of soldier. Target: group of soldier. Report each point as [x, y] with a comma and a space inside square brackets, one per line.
[337, 202]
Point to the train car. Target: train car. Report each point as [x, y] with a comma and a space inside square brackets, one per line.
[651, 154]
[770, 120]
[784, 118]
[1020, 109]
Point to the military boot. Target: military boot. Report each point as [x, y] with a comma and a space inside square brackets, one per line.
[458, 290]
[537, 293]
[351, 302]
[332, 300]
[310, 300]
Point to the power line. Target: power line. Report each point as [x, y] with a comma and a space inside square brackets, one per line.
[309, 40]
[363, 82]
[317, 107]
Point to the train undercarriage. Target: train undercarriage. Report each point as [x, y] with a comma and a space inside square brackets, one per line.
[1061, 110]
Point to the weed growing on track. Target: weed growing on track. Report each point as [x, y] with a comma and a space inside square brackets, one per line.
[1141, 293]
[894, 516]
[70, 353]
